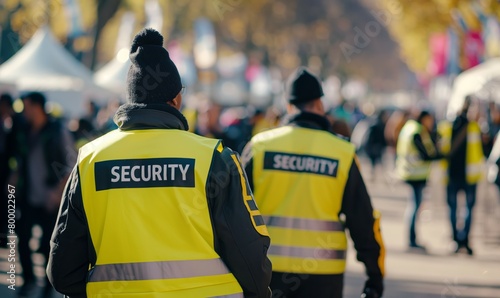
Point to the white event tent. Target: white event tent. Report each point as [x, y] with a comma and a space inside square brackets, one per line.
[113, 75]
[470, 82]
[44, 65]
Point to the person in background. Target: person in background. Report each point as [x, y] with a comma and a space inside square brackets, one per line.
[7, 130]
[208, 124]
[339, 127]
[265, 120]
[492, 122]
[415, 151]
[84, 133]
[460, 141]
[152, 210]
[305, 180]
[494, 163]
[237, 128]
[104, 118]
[45, 154]
[393, 127]
[375, 143]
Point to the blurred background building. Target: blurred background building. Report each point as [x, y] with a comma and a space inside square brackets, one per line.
[380, 61]
[237, 52]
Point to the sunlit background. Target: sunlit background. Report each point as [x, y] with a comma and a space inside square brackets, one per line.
[371, 51]
[374, 57]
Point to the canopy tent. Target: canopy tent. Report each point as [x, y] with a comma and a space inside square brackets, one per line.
[470, 82]
[7, 87]
[490, 91]
[113, 75]
[44, 65]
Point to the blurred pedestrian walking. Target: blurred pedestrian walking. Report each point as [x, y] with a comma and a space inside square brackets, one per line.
[461, 143]
[494, 164]
[375, 144]
[306, 180]
[153, 210]
[415, 151]
[45, 154]
[9, 123]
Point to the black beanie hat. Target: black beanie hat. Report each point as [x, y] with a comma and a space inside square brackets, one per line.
[303, 87]
[152, 77]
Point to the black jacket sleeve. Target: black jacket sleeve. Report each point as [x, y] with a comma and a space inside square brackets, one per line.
[70, 257]
[417, 140]
[241, 236]
[363, 227]
[247, 161]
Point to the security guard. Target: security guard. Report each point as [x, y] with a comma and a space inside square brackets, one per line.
[305, 180]
[415, 151]
[152, 210]
[460, 141]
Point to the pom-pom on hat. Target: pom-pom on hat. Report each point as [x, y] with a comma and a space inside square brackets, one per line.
[152, 77]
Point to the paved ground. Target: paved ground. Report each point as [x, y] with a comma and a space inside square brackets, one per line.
[438, 274]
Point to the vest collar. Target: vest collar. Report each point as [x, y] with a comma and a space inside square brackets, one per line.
[308, 120]
[149, 116]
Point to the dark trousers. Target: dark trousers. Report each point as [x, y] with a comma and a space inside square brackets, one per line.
[415, 202]
[461, 236]
[293, 285]
[31, 216]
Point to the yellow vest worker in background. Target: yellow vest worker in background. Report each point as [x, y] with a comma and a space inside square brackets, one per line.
[460, 141]
[152, 210]
[304, 178]
[414, 153]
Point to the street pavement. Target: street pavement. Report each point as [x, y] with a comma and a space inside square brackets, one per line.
[437, 274]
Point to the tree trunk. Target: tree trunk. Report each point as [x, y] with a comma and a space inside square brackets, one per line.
[106, 9]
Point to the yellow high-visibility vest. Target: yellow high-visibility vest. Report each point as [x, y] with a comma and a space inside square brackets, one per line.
[299, 178]
[474, 160]
[409, 163]
[147, 211]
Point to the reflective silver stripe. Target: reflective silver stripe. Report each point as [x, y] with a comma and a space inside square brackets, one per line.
[157, 270]
[474, 137]
[303, 223]
[238, 295]
[474, 168]
[306, 252]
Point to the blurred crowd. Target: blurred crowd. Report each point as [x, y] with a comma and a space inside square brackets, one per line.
[38, 150]
[375, 134]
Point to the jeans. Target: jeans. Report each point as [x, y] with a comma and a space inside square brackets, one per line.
[461, 237]
[414, 205]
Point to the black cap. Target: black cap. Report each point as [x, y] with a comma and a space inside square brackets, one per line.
[303, 86]
[152, 77]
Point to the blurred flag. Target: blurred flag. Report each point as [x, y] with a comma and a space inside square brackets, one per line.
[205, 52]
[459, 20]
[453, 53]
[491, 35]
[470, 15]
[74, 18]
[184, 63]
[154, 14]
[438, 49]
[473, 49]
[125, 32]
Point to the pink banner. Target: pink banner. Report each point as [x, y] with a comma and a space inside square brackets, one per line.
[473, 49]
[439, 48]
